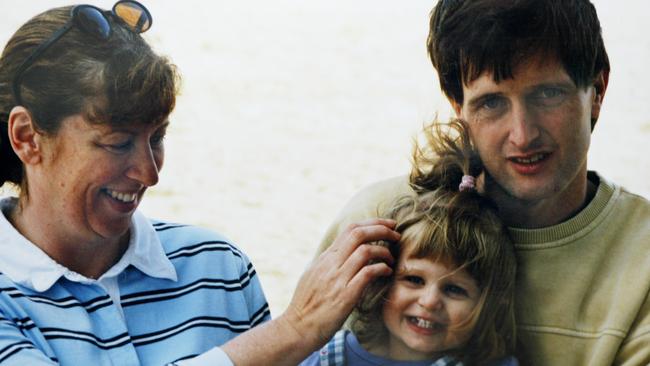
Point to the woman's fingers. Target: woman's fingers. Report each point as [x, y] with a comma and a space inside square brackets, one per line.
[366, 275]
[363, 232]
[365, 255]
[351, 251]
[332, 285]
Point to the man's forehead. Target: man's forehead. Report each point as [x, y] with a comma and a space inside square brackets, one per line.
[532, 70]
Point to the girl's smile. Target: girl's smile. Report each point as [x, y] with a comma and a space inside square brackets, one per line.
[428, 309]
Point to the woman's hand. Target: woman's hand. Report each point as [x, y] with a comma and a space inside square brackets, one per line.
[329, 289]
[325, 296]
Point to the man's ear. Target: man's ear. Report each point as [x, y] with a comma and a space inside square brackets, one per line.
[457, 107]
[600, 86]
[25, 140]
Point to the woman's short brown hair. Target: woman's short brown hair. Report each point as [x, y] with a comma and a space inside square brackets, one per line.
[115, 81]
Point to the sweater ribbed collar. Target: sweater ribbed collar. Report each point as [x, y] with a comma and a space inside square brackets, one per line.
[575, 227]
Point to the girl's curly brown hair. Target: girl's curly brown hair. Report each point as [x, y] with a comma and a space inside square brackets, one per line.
[441, 223]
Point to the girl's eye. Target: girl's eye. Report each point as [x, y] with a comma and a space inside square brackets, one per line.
[416, 280]
[455, 290]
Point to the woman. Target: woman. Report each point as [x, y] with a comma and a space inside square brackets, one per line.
[85, 278]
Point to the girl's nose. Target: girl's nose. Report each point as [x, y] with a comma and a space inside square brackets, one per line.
[430, 298]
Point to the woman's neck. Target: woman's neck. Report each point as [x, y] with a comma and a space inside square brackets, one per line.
[90, 257]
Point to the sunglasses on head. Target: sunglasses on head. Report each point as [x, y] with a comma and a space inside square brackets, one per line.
[93, 21]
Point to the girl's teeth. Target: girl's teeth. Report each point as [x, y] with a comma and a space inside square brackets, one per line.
[423, 323]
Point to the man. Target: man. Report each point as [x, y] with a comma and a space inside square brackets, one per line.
[529, 77]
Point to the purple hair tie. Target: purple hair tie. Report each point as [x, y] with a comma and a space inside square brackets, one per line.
[468, 183]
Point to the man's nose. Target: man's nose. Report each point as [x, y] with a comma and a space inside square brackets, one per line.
[523, 126]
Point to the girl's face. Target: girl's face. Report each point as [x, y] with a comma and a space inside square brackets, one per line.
[426, 308]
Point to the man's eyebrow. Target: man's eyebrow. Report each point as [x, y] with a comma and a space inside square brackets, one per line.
[474, 101]
[554, 84]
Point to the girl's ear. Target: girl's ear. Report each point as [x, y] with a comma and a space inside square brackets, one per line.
[25, 140]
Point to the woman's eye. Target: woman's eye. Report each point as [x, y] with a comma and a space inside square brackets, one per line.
[455, 290]
[119, 146]
[157, 140]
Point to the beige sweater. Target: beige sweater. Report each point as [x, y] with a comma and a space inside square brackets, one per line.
[583, 286]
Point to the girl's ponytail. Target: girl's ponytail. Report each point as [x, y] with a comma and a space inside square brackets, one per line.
[446, 156]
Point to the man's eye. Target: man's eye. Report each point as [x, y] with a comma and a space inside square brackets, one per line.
[452, 289]
[549, 97]
[492, 103]
[491, 107]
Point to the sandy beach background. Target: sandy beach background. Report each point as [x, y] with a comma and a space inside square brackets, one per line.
[289, 107]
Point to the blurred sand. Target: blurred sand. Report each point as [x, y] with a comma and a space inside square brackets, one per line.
[289, 107]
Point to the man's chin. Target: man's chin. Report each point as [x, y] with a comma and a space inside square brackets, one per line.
[523, 193]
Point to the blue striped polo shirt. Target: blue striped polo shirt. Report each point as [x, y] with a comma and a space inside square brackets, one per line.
[179, 292]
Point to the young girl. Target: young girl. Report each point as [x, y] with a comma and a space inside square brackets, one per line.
[450, 299]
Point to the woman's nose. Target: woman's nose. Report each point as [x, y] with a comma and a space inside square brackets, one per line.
[145, 167]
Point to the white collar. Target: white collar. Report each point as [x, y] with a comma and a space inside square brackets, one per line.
[27, 265]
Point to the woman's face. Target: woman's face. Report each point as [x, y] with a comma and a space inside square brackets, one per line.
[93, 176]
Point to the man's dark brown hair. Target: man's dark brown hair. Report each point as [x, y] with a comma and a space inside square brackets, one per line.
[469, 37]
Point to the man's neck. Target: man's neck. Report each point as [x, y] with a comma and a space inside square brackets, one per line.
[545, 212]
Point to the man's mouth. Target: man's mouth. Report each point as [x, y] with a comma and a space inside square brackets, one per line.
[532, 159]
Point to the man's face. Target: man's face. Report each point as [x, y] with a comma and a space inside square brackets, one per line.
[532, 131]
